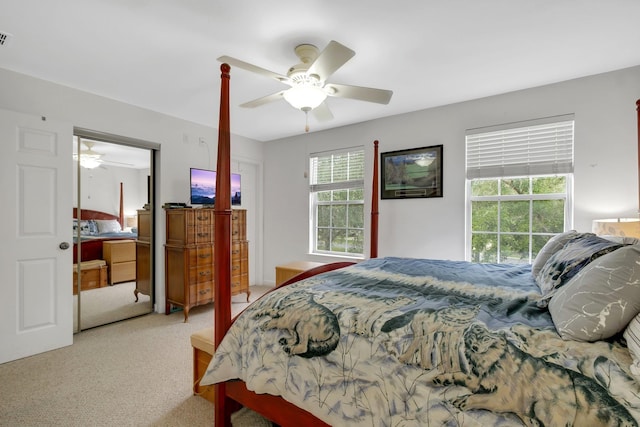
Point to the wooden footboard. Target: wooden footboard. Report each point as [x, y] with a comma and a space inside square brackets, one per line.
[274, 408]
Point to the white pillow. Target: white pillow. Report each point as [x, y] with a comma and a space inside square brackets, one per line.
[632, 335]
[601, 300]
[108, 226]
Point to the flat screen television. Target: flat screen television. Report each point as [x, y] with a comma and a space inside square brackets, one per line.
[203, 187]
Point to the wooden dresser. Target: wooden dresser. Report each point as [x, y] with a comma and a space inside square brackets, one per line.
[143, 254]
[121, 260]
[189, 260]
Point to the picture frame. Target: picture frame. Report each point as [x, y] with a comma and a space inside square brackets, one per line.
[413, 173]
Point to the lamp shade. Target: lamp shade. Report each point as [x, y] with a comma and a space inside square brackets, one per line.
[621, 227]
[131, 220]
[305, 97]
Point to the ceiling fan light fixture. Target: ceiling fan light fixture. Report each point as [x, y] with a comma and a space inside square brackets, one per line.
[90, 162]
[305, 97]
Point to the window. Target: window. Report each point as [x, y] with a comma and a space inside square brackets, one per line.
[519, 188]
[337, 202]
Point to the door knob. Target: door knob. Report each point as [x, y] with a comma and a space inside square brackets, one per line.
[64, 245]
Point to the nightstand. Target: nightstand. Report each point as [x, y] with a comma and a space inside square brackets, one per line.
[121, 260]
[285, 272]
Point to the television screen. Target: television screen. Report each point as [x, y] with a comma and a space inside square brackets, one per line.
[203, 187]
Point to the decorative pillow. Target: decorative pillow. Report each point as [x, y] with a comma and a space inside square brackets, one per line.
[108, 226]
[567, 262]
[87, 227]
[552, 246]
[601, 299]
[632, 335]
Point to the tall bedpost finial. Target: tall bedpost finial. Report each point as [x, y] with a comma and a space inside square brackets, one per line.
[374, 203]
[222, 241]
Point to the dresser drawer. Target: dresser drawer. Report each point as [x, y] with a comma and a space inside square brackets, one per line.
[236, 269]
[201, 274]
[201, 255]
[200, 217]
[199, 234]
[122, 272]
[239, 283]
[201, 293]
[238, 224]
[119, 250]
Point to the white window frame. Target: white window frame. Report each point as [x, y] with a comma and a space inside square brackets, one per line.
[542, 147]
[315, 188]
[568, 220]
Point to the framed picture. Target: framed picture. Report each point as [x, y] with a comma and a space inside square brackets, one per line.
[413, 173]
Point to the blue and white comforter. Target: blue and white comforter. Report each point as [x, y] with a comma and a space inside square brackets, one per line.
[402, 342]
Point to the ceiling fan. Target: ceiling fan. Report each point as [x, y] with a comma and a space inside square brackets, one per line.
[88, 158]
[91, 159]
[308, 81]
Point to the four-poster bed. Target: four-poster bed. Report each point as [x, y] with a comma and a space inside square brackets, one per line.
[393, 341]
[97, 227]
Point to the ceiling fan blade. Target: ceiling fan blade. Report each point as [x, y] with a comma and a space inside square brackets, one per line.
[254, 68]
[322, 113]
[334, 56]
[368, 94]
[264, 100]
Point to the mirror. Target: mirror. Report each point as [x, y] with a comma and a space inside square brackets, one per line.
[113, 223]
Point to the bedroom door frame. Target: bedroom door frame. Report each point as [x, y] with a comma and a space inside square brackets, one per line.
[153, 148]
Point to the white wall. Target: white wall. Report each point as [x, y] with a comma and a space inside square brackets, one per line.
[100, 188]
[605, 179]
[179, 139]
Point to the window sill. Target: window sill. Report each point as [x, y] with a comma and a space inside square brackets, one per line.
[336, 257]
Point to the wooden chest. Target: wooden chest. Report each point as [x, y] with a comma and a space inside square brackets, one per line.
[189, 258]
[93, 274]
[203, 348]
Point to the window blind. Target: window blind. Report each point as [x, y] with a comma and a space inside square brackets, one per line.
[534, 149]
[331, 170]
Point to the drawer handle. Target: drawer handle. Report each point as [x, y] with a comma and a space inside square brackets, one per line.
[235, 267]
[203, 234]
[204, 255]
[235, 231]
[236, 252]
[202, 218]
[204, 291]
[205, 273]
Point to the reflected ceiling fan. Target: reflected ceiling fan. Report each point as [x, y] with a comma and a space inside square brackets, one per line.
[90, 159]
[308, 81]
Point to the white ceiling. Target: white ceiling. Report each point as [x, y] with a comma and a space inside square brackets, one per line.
[161, 54]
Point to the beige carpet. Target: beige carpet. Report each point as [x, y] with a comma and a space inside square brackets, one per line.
[109, 304]
[132, 373]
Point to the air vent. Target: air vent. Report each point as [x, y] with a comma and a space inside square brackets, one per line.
[5, 38]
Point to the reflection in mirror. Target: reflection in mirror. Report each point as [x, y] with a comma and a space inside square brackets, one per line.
[112, 231]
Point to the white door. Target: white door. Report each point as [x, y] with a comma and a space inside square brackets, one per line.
[36, 298]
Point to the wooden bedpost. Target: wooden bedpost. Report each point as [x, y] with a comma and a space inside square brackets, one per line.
[374, 203]
[121, 214]
[222, 241]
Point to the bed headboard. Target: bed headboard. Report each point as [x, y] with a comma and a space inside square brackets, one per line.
[86, 214]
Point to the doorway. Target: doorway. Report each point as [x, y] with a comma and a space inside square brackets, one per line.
[113, 228]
